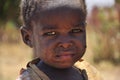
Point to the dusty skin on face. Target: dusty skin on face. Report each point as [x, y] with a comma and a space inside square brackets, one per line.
[59, 36]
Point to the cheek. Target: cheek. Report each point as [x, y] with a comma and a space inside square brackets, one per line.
[81, 40]
[45, 49]
[40, 48]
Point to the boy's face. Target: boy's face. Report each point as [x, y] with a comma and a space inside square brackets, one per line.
[59, 37]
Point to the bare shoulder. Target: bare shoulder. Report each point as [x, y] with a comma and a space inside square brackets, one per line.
[92, 72]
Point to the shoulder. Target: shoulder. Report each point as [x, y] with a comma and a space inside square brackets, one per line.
[32, 72]
[24, 75]
[92, 72]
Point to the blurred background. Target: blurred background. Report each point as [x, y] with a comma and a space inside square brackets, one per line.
[103, 39]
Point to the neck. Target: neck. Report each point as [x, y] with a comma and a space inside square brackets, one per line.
[51, 72]
[41, 65]
[59, 74]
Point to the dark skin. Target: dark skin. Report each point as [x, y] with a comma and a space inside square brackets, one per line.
[60, 74]
[59, 38]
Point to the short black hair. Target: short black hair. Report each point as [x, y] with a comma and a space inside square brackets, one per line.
[30, 7]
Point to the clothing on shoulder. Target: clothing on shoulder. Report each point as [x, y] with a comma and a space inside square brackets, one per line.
[32, 72]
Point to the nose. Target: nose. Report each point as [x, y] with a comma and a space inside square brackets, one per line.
[65, 42]
[65, 45]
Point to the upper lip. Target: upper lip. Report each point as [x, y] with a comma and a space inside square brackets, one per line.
[65, 54]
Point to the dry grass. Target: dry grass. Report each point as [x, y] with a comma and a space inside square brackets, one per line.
[12, 58]
[109, 71]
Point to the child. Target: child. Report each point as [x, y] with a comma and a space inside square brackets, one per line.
[56, 30]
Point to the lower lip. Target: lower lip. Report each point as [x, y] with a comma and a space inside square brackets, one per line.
[67, 56]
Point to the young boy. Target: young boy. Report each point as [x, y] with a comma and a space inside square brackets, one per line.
[56, 30]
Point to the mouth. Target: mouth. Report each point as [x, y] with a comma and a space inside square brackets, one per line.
[65, 56]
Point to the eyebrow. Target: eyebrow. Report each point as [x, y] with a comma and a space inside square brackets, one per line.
[81, 24]
[48, 27]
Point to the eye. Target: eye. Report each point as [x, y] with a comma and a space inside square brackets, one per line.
[52, 33]
[76, 31]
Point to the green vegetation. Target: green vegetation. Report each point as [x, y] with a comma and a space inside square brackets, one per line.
[9, 11]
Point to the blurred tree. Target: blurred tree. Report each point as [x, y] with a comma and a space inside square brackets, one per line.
[117, 4]
[117, 1]
[9, 11]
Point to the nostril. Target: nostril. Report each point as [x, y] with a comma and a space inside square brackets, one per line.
[66, 45]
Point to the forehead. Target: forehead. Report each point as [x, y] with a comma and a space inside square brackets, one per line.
[59, 16]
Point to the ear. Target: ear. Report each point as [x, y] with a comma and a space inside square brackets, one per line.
[26, 36]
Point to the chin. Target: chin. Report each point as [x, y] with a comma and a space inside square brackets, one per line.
[63, 66]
